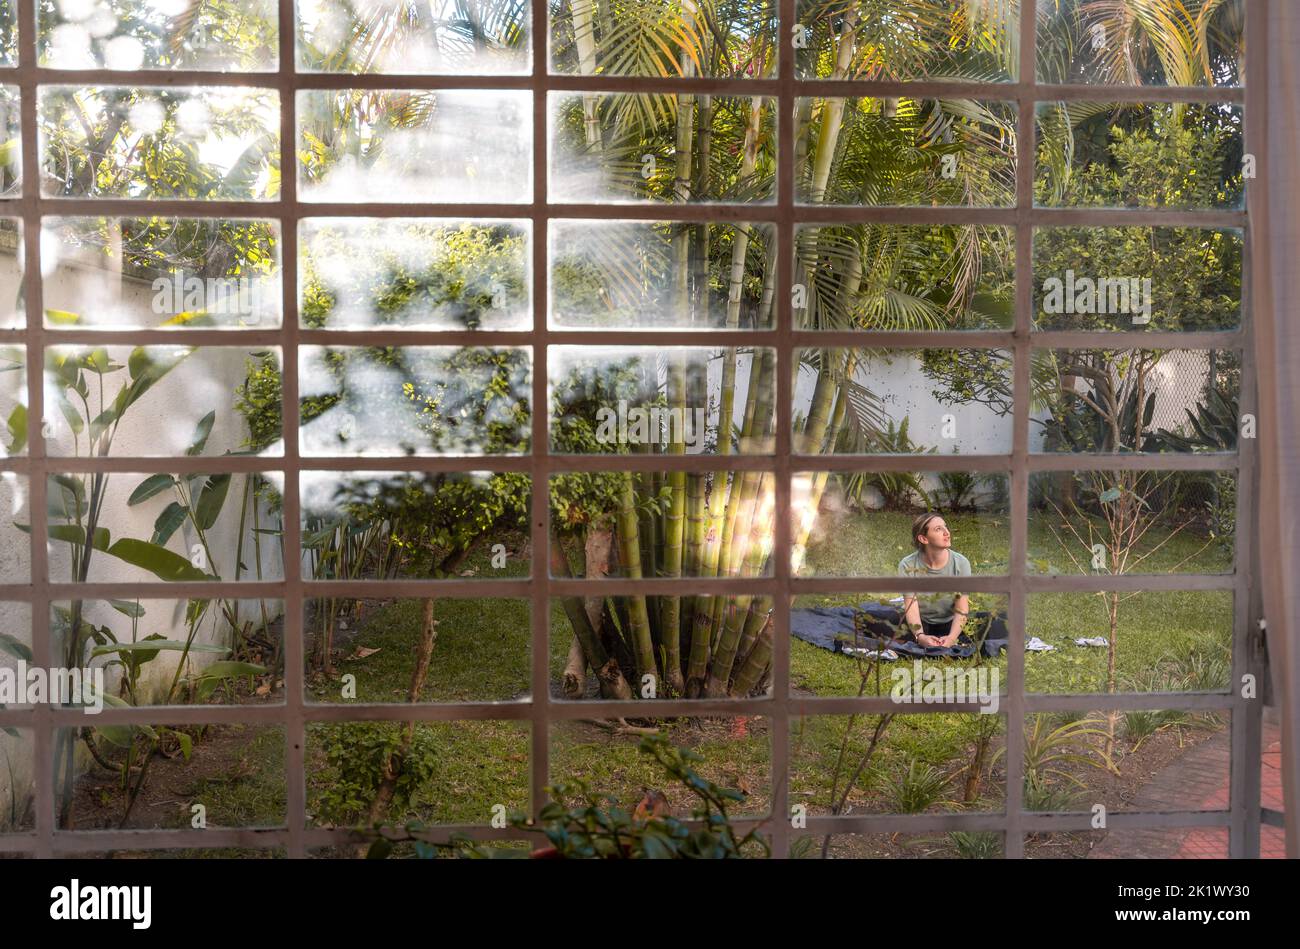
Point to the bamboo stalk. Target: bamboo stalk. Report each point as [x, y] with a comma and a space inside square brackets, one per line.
[756, 663]
[638, 616]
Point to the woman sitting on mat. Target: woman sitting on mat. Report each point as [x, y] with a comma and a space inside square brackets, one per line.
[938, 619]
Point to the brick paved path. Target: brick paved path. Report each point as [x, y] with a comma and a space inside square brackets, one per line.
[1199, 780]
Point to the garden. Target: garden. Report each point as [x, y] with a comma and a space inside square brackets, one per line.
[370, 399]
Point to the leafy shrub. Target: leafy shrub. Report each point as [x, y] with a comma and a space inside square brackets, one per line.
[976, 844]
[594, 827]
[358, 753]
[918, 788]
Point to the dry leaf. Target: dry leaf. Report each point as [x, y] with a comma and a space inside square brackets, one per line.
[264, 689]
[364, 651]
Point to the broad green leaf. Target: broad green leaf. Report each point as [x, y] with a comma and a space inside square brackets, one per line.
[71, 534]
[161, 562]
[201, 433]
[130, 608]
[154, 484]
[229, 668]
[104, 420]
[172, 517]
[71, 415]
[154, 645]
[186, 743]
[211, 499]
[1110, 494]
[15, 648]
[18, 429]
[119, 735]
[147, 368]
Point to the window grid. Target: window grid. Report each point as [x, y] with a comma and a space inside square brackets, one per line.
[540, 710]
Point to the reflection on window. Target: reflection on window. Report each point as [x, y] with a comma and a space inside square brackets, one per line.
[897, 401]
[469, 37]
[179, 142]
[385, 145]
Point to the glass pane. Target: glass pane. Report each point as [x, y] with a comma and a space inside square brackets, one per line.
[897, 764]
[904, 277]
[1099, 154]
[686, 524]
[15, 539]
[17, 781]
[722, 647]
[459, 772]
[859, 523]
[159, 400]
[228, 36]
[8, 34]
[908, 152]
[13, 312]
[425, 400]
[1166, 759]
[624, 147]
[11, 159]
[1150, 400]
[467, 37]
[178, 652]
[152, 526]
[1138, 843]
[1116, 522]
[415, 273]
[1137, 278]
[373, 525]
[481, 653]
[643, 399]
[407, 145]
[178, 142]
[232, 776]
[1159, 641]
[913, 39]
[153, 272]
[651, 274]
[1162, 43]
[902, 401]
[731, 753]
[882, 644]
[664, 38]
[15, 647]
[953, 845]
[13, 402]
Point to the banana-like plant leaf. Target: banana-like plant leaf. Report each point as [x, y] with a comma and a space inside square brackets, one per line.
[201, 433]
[229, 669]
[18, 650]
[154, 484]
[155, 645]
[172, 517]
[158, 560]
[212, 496]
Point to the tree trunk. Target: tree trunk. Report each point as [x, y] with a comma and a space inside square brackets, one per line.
[608, 672]
[393, 766]
[574, 681]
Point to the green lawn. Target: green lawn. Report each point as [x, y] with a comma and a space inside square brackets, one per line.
[1170, 641]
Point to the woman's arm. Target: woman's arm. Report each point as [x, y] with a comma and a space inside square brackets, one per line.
[960, 612]
[912, 616]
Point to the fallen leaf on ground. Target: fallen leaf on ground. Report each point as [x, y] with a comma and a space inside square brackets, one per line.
[363, 651]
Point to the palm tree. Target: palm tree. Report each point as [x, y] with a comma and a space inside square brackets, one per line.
[849, 151]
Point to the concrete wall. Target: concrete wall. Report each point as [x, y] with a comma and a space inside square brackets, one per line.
[161, 424]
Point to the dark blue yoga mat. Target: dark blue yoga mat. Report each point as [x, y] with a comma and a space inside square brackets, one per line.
[832, 627]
